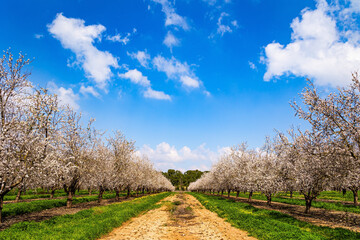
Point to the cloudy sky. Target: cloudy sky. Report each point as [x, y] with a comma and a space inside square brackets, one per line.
[186, 79]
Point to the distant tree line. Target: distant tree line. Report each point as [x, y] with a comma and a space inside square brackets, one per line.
[181, 180]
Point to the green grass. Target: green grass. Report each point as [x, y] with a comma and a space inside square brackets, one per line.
[267, 224]
[87, 224]
[326, 195]
[338, 206]
[12, 209]
[42, 194]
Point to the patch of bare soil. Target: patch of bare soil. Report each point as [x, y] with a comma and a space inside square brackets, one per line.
[49, 213]
[317, 216]
[181, 216]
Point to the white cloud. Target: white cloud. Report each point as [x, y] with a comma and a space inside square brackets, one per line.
[176, 70]
[118, 38]
[136, 77]
[74, 35]
[151, 93]
[318, 50]
[252, 65]
[166, 156]
[38, 36]
[66, 97]
[225, 28]
[89, 90]
[141, 56]
[170, 40]
[189, 82]
[172, 18]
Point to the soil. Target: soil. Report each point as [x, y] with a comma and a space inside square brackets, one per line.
[49, 213]
[317, 216]
[181, 216]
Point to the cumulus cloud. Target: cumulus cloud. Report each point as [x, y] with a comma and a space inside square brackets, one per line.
[189, 81]
[172, 18]
[89, 90]
[136, 77]
[166, 156]
[170, 40]
[74, 35]
[142, 57]
[151, 93]
[174, 69]
[66, 97]
[319, 49]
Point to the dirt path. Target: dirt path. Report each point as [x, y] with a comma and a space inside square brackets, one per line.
[317, 216]
[181, 216]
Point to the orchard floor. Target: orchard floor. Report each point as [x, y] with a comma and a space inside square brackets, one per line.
[317, 216]
[57, 211]
[181, 216]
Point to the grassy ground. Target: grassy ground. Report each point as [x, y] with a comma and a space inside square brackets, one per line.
[338, 206]
[325, 195]
[266, 224]
[31, 194]
[86, 224]
[12, 209]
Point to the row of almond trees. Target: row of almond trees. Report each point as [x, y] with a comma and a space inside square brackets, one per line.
[45, 145]
[326, 156]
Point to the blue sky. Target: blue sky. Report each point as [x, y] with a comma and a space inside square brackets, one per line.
[186, 79]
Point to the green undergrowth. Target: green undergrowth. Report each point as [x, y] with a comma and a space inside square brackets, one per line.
[326, 195]
[87, 224]
[267, 224]
[42, 194]
[338, 206]
[12, 209]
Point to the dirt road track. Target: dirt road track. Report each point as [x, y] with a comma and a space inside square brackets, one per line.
[180, 217]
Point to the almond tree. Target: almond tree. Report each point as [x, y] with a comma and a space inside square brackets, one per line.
[337, 117]
[74, 153]
[25, 116]
[122, 151]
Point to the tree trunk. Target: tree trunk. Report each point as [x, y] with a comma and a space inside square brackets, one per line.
[222, 192]
[237, 194]
[268, 199]
[52, 193]
[291, 194]
[344, 191]
[356, 197]
[69, 199]
[307, 204]
[128, 193]
[117, 195]
[229, 193]
[1, 207]
[101, 191]
[18, 195]
[250, 196]
[89, 190]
